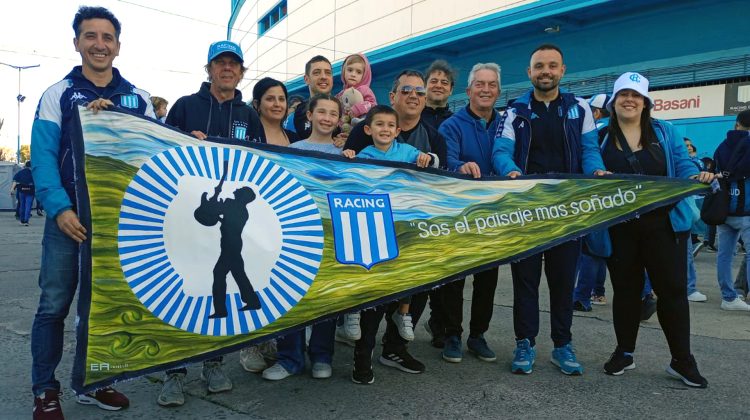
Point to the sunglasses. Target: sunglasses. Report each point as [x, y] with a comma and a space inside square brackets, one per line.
[407, 89]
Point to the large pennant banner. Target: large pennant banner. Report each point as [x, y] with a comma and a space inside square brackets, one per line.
[199, 248]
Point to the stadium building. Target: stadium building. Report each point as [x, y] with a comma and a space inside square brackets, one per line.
[693, 51]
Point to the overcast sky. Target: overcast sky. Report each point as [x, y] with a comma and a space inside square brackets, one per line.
[163, 51]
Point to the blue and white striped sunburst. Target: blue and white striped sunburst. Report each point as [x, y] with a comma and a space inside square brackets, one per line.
[167, 257]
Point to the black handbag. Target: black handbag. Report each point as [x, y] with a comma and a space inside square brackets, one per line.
[715, 207]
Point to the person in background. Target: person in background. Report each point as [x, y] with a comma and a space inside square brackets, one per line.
[293, 102]
[23, 185]
[160, 107]
[356, 74]
[732, 159]
[440, 81]
[656, 241]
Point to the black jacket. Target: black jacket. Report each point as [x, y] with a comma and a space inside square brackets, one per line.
[435, 116]
[202, 112]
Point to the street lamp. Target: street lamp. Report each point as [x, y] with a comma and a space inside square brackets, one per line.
[20, 98]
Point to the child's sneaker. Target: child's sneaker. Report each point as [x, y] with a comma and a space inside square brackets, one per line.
[687, 371]
[404, 325]
[618, 363]
[402, 361]
[565, 358]
[105, 398]
[47, 406]
[350, 329]
[216, 379]
[523, 357]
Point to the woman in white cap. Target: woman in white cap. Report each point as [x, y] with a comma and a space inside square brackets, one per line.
[656, 241]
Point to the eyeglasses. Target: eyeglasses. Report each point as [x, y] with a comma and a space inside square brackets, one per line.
[407, 89]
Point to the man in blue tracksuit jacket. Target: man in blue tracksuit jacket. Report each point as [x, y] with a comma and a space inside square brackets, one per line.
[543, 132]
[97, 85]
[469, 136]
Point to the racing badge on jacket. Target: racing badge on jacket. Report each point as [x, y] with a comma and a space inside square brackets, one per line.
[363, 228]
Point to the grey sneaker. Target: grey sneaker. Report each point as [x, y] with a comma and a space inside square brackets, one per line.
[215, 377]
[171, 394]
[276, 373]
[252, 360]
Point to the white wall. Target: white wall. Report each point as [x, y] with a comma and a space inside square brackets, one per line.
[337, 28]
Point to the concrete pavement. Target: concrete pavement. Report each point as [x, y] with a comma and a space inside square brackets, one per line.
[471, 389]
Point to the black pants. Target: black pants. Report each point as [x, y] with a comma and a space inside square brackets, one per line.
[482, 303]
[369, 322]
[560, 266]
[650, 243]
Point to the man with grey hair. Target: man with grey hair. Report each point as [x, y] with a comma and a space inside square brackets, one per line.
[469, 134]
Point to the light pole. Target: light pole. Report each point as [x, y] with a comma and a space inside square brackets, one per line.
[20, 98]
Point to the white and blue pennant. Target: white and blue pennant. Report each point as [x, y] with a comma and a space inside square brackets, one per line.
[167, 257]
[363, 228]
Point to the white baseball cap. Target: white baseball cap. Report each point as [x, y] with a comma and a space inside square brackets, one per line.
[633, 81]
[598, 101]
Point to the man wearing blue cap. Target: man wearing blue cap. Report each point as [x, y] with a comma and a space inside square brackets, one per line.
[217, 109]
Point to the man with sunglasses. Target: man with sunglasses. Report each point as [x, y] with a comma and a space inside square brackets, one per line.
[407, 97]
[469, 134]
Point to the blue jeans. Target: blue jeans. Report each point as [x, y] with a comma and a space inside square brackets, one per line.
[733, 227]
[592, 271]
[58, 279]
[25, 201]
[291, 347]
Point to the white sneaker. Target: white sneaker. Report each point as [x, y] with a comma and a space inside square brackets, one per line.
[736, 305]
[351, 328]
[252, 359]
[341, 336]
[404, 325]
[276, 373]
[321, 370]
[697, 296]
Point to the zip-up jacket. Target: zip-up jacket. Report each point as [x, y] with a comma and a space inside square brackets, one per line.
[200, 111]
[469, 139]
[737, 141]
[513, 138]
[435, 116]
[677, 161]
[51, 157]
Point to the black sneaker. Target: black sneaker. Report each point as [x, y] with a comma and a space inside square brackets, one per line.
[402, 361]
[687, 371]
[362, 371]
[579, 307]
[437, 333]
[618, 363]
[648, 307]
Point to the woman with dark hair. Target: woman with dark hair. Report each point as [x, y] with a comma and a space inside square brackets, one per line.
[655, 241]
[269, 99]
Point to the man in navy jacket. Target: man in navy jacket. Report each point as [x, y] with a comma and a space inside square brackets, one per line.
[469, 136]
[542, 132]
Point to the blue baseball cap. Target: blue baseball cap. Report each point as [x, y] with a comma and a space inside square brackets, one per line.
[221, 47]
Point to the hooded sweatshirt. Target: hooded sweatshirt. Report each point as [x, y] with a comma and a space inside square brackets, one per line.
[737, 146]
[360, 110]
[200, 111]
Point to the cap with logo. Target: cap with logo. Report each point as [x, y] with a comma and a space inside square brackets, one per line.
[633, 81]
[221, 47]
[599, 101]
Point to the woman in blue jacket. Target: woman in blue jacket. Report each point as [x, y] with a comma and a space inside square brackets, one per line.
[657, 240]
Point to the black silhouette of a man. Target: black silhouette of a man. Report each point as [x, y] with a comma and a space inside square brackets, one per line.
[233, 215]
